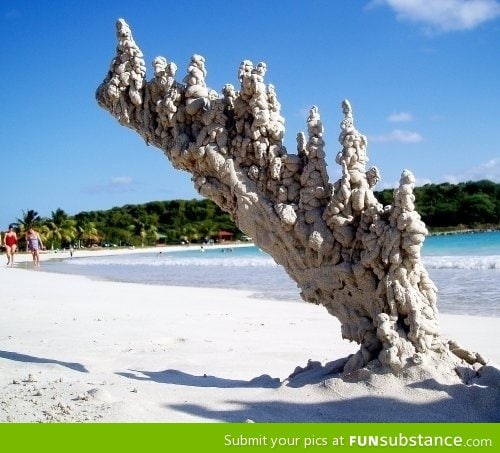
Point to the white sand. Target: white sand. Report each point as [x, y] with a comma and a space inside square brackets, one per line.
[76, 349]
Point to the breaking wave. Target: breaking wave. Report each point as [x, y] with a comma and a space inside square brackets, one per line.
[264, 261]
[462, 262]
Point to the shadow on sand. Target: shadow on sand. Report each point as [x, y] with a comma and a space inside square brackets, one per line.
[177, 377]
[15, 356]
[331, 398]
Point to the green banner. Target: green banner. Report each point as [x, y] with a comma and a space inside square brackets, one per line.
[248, 437]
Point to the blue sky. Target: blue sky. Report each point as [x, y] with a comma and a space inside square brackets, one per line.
[422, 77]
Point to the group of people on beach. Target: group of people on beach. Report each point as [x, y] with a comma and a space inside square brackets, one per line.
[33, 244]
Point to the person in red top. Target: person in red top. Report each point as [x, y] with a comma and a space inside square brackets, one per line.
[10, 242]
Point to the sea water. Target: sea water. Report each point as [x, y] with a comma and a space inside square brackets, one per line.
[464, 267]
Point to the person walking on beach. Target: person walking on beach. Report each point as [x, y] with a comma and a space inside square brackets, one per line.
[34, 243]
[10, 242]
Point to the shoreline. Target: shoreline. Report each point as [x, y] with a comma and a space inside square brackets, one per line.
[45, 255]
[453, 298]
[465, 231]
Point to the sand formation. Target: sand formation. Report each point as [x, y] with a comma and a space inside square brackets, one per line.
[359, 259]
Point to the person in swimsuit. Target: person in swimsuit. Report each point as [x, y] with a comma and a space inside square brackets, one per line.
[34, 243]
[10, 242]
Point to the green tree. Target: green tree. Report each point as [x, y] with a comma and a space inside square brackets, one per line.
[87, 233]
[151, 234]
[61, 229]
[478, 208]
[138, 229]
[30, 219]
[473, 204]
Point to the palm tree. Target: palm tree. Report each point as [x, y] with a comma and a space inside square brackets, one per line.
[139, 228]
[209, 229]
[58, 216]
[60, 229]
[30, 219]
[189, 233]
[86, 231]
[152, 233]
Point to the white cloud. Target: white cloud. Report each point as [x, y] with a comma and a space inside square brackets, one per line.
[452, 179]
[397, 135]
[436, 117]
[488, 170]
[493, 163]
[400, 117]
[121, 180]
[419, 182]
[116, 184]
[444, 15]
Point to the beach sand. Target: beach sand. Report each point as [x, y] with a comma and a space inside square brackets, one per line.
[74, 349]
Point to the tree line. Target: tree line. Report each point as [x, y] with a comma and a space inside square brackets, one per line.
[165, 222]
[469, 205]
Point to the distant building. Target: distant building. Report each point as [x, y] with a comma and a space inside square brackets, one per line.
[225, 235]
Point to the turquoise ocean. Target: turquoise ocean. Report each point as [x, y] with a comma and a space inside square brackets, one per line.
[464, 267]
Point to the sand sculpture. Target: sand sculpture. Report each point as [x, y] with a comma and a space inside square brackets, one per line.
[345, 251]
